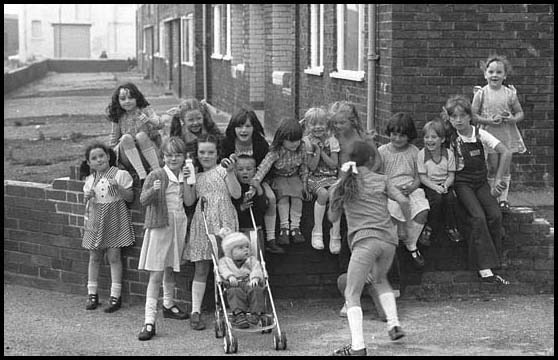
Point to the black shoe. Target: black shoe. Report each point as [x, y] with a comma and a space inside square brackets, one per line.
[196, 321]
[273, 248]
[240, 321]
[92, 302]
[297, 236]
[495, 279]
[347, 350]
[283, 238]
[454, 235]
[114, 304]
[146, 333]
[396, 333]
[418, 260]
[177, 315]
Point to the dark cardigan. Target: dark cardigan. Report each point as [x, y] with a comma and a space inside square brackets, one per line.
[260, 147]
[156, 211]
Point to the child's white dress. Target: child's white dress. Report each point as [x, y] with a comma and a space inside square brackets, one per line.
[162, 247]
[108, 222]
[219, 212]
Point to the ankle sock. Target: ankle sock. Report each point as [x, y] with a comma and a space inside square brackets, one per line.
[150, 310]
[115, 290]
[389, 306]
[168, 294]
[504, 195]
[319, 211]
[485, 273]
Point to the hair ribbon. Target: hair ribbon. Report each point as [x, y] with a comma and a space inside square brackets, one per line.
[349, 165]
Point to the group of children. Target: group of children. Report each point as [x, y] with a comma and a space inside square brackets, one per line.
[391, 193]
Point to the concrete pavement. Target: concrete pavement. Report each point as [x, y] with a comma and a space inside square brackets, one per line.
[40, 322]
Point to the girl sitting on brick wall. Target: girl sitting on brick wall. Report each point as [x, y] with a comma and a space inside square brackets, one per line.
[322, 150]
[287, 159]
[471, 185]
[135, 126]
[108, 222]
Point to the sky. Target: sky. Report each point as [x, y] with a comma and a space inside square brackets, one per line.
[11, 8]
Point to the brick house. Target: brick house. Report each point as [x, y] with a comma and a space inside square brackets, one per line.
[282, 59]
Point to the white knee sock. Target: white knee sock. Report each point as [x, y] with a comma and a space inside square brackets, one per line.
[335, 231]
[134, 157]
[168, 294]
[115, 290]
[354, 315]
[387, 300]
[490, 182]
[151, 156]
[198, 290]
[150, 310]
[319, 211]
[413, 232]
[91, 287]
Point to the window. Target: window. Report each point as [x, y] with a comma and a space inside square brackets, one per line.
[188, 40]
[164, 29]
[316, 65]
[221, 39]
[148, 39]
[36, 29]
[350, 42]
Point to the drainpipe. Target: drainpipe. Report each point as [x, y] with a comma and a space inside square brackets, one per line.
[372, 58]
[204, 50]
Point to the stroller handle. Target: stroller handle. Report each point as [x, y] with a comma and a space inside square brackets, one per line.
[203, 203]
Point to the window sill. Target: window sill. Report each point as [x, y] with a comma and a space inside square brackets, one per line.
[217, 56]
[227, 58]
[318, 71]
[191, 64]
[347, 75]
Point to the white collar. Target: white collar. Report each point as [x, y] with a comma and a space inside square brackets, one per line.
[172, 177]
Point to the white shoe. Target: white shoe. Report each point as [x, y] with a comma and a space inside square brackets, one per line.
[317, 240]
[343, 311]
[396, 293]
[334, 245]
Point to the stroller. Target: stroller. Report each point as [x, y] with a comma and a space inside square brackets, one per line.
[223, 326]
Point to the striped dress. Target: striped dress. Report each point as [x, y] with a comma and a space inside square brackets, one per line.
[108, 222]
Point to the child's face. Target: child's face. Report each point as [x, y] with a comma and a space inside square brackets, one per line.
[173, 160]
[193, 120]
[341, 123]
[127, 102]
[98, 160]
[291, 145]
[244, 132]
[432, 141]
[398, 140]
[207, 155]
[318, 129]
[460, 120]
[495, 74]
[245, 170]
[240, 252]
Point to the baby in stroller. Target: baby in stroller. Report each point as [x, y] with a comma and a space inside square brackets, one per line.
[243, 277]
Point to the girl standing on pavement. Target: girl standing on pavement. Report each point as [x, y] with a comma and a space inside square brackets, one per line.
[362, 194]
[134, 129]
[287, 159]
[107, 223]
[399, 160]
[436, 169]
[216, 184]
[498, 110]
[245, 136]
[471, 185]
[322, 150]
[163, 196]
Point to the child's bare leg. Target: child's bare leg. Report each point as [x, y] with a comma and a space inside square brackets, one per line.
[148, 149]
[492, 167]
[151, 296]
[115, 261]
[270, 215]
[319, 211]
[95, 257]
[129, 154]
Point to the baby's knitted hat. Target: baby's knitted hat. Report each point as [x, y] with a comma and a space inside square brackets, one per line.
[232, 239]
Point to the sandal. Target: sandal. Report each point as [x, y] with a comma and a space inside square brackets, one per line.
[454, 235]
[418, 259]
[504, 205]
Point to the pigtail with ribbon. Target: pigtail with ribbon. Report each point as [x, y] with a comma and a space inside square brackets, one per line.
[349, 166]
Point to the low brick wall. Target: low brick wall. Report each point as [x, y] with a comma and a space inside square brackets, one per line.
[42, 248]
[22, 76]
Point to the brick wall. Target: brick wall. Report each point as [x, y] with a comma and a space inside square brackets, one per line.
[42, 248]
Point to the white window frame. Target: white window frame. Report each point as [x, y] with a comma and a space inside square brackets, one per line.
[187, 23]
[342, 73]
[218, 32]
[316, 66]
[162, 38]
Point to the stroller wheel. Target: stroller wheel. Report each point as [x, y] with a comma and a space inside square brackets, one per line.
[219, 328]
[280, 342]
[230, 344]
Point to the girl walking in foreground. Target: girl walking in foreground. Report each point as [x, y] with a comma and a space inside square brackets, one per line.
[362, 194]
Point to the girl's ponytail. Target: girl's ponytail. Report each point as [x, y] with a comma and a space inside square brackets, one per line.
[347, 188]
[176, 126]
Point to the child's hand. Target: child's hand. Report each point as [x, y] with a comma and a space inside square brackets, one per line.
[229, 163]
[496, 119]
[254, 282]
[113, 183]
[506, 116]
[306, 194]
[185, 172]
[233, 281]
[156, 184]
[405, 189]
[245, 205]
[498, 188]
[88, 194]
[248, 195]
